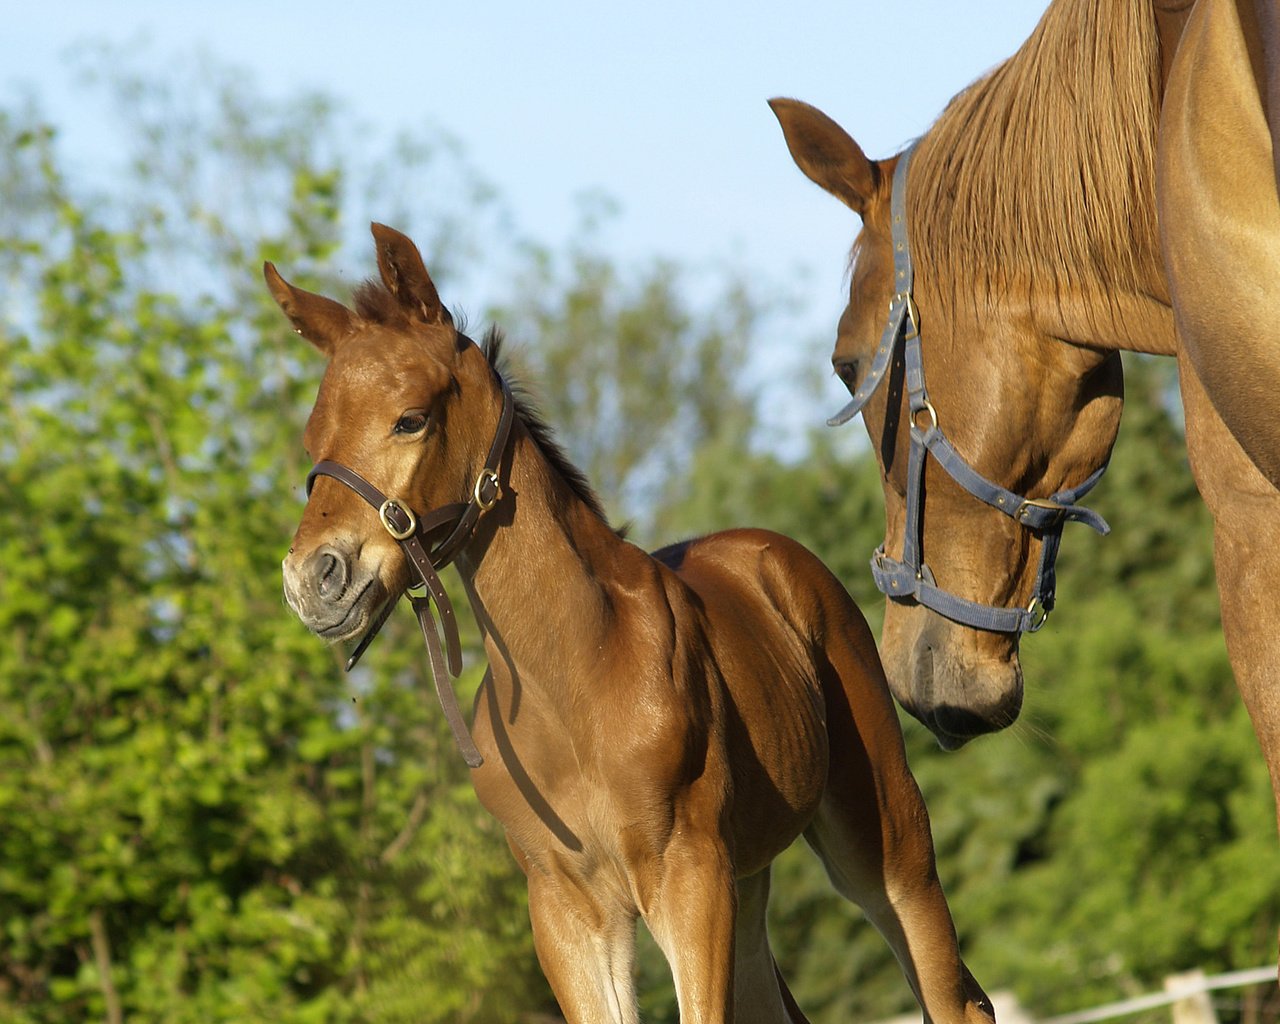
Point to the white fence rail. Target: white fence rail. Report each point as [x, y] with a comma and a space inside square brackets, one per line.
[1187, 993]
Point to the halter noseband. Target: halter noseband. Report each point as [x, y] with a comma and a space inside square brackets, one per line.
[910, 577]
[410, 530]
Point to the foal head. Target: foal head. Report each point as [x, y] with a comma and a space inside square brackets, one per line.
[407, 402]
[1028, 412]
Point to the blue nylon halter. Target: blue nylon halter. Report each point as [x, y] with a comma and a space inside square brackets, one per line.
[910, 577]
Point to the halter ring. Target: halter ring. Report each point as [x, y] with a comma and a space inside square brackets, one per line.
[487, 476]
[384, 514]
[1038, 612]
[926, 406]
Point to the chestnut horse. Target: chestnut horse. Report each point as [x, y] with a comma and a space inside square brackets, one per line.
[1026, 227]
[653, 729]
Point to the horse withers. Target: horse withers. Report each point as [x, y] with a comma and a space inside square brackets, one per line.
[653, 729]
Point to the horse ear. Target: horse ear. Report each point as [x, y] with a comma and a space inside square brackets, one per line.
[406, 277]
[827, 154]
[321, 321]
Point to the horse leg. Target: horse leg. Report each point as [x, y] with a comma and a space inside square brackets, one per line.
[1246, 519]
[872, 833]
[586, 950]
[692, 917]
[1219, 214]
[760, 996]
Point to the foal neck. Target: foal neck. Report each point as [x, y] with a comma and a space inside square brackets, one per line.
[538, 567]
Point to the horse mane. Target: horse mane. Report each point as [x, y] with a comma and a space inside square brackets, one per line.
[1045, 168]
[539, 430]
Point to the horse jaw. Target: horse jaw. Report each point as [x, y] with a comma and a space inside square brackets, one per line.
[959, 682]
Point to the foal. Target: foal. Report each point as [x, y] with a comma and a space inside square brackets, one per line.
[654, 729]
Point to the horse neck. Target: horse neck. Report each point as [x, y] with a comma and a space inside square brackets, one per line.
[537, 569]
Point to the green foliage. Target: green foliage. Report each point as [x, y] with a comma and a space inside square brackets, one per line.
[200, 818]
[638, 381]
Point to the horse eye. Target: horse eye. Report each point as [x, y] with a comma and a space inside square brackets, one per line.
[847, 371]
[411, 423]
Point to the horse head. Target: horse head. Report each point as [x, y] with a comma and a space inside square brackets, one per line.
[397, 370]
[1031, 416]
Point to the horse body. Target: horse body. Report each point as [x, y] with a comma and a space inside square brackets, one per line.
[1032, 207]
[654, 729]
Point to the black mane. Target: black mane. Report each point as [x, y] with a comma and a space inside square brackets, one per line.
[538, 428]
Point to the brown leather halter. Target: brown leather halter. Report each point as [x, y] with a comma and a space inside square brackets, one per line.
[410, 530]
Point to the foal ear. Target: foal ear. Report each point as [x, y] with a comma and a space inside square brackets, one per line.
[827, 154]
[406, 277]
[321, 321]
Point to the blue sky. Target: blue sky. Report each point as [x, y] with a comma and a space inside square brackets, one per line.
[661, 106]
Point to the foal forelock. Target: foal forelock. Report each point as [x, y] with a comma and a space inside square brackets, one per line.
[1046, 167]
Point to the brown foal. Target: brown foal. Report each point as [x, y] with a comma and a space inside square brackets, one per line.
[655, 729]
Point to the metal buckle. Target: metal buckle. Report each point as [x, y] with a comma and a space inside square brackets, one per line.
[383, 514]
[491, 477]
[913, 315]
[1045, 503]
[925, 406]
[1038, 612]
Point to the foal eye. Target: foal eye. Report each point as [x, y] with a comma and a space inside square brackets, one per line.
[411, 423]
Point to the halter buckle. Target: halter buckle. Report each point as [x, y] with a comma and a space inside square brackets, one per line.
[384, 513]
[913, 314]
[1059, 511]
[1038, 612]
[489, 477]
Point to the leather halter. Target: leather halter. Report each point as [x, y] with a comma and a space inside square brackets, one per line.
[410, 531]
[910, 577]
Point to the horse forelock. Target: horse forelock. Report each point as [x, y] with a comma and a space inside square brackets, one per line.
[1045, 168]
[375, 303]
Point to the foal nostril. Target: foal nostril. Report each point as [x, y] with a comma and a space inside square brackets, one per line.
[331, 574]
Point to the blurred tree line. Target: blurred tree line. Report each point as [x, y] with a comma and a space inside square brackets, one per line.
[203, 819]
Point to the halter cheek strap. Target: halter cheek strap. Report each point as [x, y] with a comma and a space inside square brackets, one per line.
[410, 531]
[911, 577]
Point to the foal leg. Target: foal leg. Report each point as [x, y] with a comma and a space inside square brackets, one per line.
[692, 919]
[586, 951]
[760, 996]
[872, 833]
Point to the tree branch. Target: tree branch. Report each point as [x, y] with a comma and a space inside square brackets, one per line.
[102, 957]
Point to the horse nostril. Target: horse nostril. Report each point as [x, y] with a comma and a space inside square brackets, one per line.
[330, 575]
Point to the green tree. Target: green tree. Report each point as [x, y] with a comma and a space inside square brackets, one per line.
[200, 817]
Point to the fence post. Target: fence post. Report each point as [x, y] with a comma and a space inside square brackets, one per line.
[1195, 1007]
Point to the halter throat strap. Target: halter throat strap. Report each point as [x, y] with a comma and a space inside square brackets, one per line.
[910, 576]
[455, 523]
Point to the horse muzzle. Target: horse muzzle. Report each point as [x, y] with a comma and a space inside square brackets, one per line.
[334, 596]
[959, 683]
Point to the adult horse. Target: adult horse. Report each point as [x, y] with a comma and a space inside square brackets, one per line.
[653, 730]
[1016, 253]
